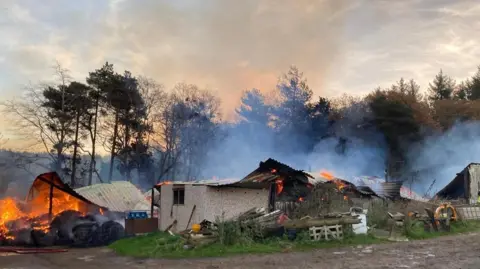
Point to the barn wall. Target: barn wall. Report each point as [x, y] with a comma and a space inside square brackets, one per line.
[233, 201]
[474, 179]
[194, 195]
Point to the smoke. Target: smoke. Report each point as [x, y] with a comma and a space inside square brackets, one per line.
[359, 158]
[246, 145]
[432, 164]
[240, 152]
[440, 157]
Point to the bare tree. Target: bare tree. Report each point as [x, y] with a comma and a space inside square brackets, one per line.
[35, 122]
[183, 130]
[4, 179]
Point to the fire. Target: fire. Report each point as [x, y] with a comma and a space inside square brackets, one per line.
[301, 199]
[9, 211]
[164, 183]
[279, 184]
[35, 213]
[329, 177]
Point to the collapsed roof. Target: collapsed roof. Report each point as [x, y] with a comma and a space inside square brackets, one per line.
[298, 183]
[375, 186]
[295, 183]
[465, 185]
[267, 172]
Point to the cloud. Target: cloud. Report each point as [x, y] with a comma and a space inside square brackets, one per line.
[230, 46]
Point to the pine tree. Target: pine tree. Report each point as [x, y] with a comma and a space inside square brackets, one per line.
[473, 90]
[441, 88]
[253, 108]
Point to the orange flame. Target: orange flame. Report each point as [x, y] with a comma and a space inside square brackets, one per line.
[329, 177]
[279, 184]
[35, 211]
[164, 183]
[9, 211]
[301, 199]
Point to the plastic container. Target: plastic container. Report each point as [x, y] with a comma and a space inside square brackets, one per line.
[360, 228]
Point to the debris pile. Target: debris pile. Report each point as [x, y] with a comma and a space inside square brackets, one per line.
[261, 221]
[260, 224]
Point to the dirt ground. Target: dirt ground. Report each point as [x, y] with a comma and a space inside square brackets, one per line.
[447, 252]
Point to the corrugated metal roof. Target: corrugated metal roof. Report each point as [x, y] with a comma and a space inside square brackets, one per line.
[208, 182]
[116, 196]
[407, 193]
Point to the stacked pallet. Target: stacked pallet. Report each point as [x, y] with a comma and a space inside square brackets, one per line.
[260, 220]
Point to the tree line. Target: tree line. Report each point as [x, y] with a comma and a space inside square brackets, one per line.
[154, 134]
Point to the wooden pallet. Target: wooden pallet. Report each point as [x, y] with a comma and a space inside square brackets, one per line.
[326, 233]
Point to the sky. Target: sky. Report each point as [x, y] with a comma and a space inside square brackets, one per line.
[228, 46]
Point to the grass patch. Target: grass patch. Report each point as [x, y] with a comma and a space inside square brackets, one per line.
[163, 245]
[417, 232]
[233, 242]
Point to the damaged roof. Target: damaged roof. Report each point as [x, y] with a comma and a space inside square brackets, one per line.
[376, 186]
[267, 171]
[456, 188]
[271, 169]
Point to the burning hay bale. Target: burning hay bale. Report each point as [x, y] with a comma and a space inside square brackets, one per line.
[54, 214]
[68, 228]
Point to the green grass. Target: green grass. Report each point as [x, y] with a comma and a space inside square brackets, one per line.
[417, 232]
[162, 245]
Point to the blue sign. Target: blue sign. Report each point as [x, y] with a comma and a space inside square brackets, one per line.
[137, 215]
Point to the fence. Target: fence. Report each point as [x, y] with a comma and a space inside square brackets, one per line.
[468, 212]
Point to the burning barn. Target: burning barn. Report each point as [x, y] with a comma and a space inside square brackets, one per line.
[53, 213]
[185, 203]
[465, 186]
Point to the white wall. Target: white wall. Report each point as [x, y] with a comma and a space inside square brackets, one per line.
[211, 202]
[194, 195]
[233, 201]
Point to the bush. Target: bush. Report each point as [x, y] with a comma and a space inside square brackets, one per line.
[234, 232]
[377, 214]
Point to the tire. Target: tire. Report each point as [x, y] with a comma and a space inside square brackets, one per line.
[110, 232]
[84, 235]
[42, 239]
[62, 226]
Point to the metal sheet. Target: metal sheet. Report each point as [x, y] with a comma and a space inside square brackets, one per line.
[116, 196]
